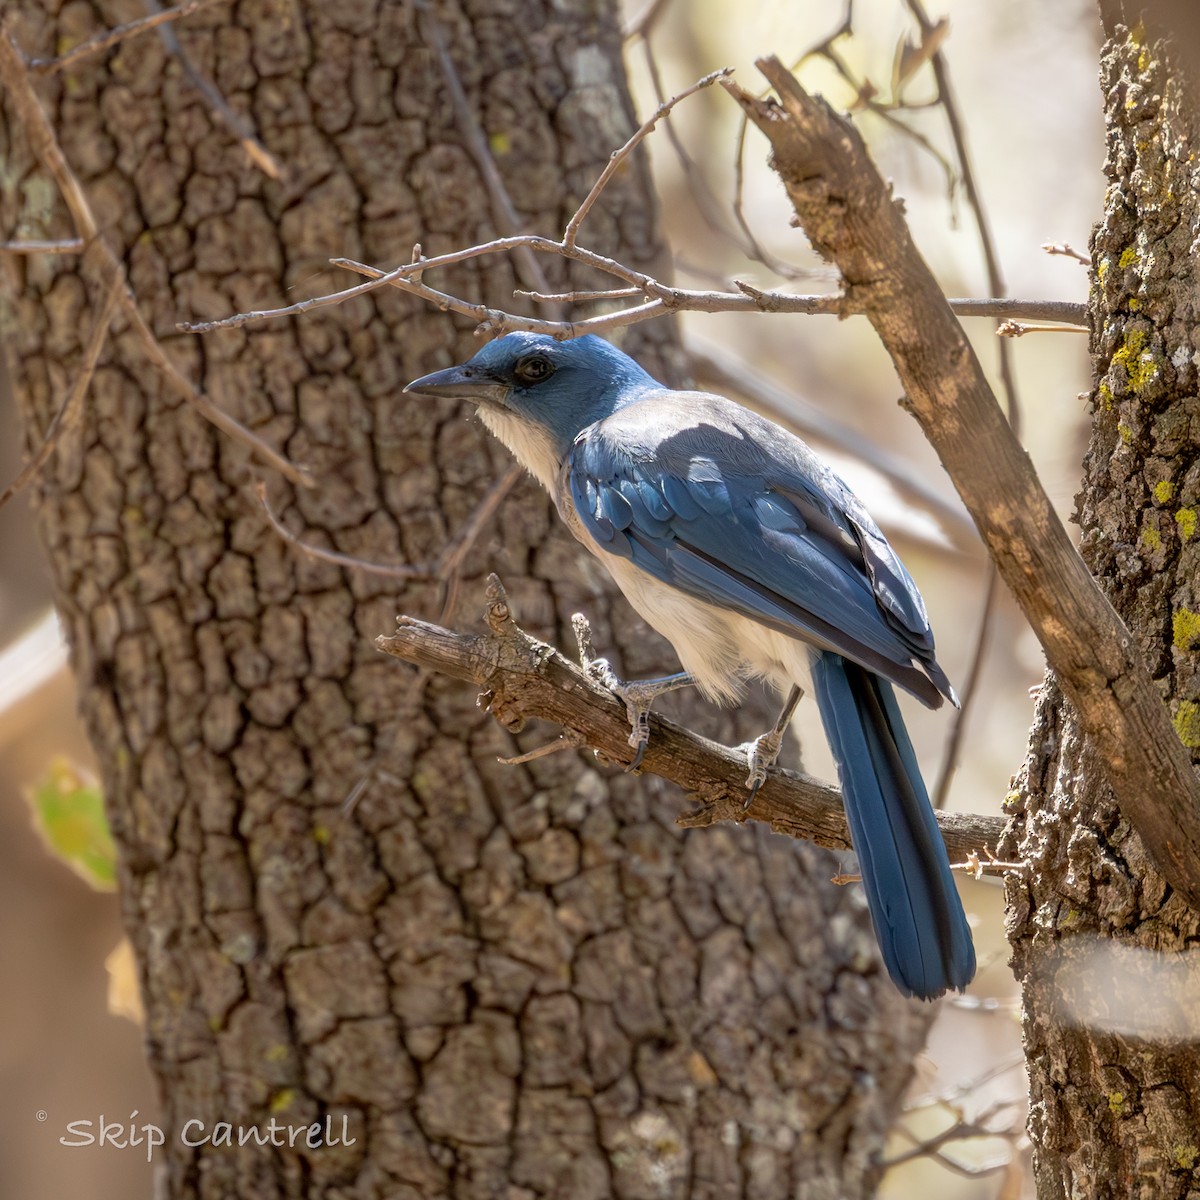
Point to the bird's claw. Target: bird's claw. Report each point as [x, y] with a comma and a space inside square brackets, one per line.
[637, 695]
[760, 757]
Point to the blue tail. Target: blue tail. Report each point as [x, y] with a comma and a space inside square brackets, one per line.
[919, 920]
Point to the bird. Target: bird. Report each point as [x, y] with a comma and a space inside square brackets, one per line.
[733, 540]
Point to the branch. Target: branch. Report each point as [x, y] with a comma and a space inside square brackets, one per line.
[235, 124]
[44, 144]
[526, 678]
[114, 37]
[848, 212]
[67, 416]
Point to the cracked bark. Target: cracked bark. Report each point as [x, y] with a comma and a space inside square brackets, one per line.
[510, 981]
[1110, 1032]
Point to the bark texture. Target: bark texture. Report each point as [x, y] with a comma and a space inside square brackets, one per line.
[510, 981]
[1103, 946]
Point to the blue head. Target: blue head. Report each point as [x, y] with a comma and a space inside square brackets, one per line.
[536, 394]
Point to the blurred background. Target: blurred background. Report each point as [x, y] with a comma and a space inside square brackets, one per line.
[1024, 78]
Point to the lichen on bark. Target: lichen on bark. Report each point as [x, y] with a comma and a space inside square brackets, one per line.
[1097, 934]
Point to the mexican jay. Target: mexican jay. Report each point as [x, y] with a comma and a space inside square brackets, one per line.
[734, 541]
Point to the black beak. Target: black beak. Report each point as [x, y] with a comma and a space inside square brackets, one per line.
[461, 383]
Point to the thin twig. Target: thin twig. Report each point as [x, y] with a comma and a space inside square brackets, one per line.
[1016, 329]
[504, 213]
[234, 122]
[65, 246]
[448, 562]
[1067, 251]
[700, 191]
[567, 741]
[68, 413]
[619, 156]
[389, 570]
[578, 297]
[644, 22]
[455, 552]
[112, 37]
[666, 299]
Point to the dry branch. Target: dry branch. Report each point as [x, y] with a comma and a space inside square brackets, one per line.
[848, 212]
[525, 678]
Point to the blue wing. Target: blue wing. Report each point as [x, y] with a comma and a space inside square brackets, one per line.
[709, 498]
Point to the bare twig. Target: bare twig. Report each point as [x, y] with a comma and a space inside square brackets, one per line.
[579, 297]
[618, 156]
[666, 299]
[1067, 251]
[234, 122]
[44, 144]
[504, 213]
[113, 37]
[1016, 329]
[336, 558]
[455, 552]
[65, 246]
[448, 564]
[568, 741]
[67, 415]
[642, 24]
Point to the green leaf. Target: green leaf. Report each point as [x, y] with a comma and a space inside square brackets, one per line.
[68, 812]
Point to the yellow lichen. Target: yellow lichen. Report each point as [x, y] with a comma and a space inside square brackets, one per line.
[1185, 1155]
[1116, 1103]
[1151, 538]
[1164, 491]
[1185, 518]
[1187, 723]
[1106, 396]
[282, 1099]
[1185, 628]
[1141, 369]
[1128, 257]
[1102, 269]
[1125, 433]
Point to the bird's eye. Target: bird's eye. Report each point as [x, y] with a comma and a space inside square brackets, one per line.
[533, 368]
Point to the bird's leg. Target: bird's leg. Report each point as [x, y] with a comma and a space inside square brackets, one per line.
[637, 695]
[762, 752]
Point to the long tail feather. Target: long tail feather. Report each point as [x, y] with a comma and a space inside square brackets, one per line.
[918, 917]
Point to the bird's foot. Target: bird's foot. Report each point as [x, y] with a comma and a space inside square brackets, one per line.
[760, 758]
[763, 751]
[637, 695]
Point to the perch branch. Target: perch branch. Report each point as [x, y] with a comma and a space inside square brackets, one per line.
[525, 678]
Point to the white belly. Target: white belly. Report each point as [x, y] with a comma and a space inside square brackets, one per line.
[720, 649]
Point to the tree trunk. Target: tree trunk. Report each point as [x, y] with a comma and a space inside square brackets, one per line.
[1110, 1028]
[520, 981]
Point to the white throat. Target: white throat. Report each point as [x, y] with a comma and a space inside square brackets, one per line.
[528, 442]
